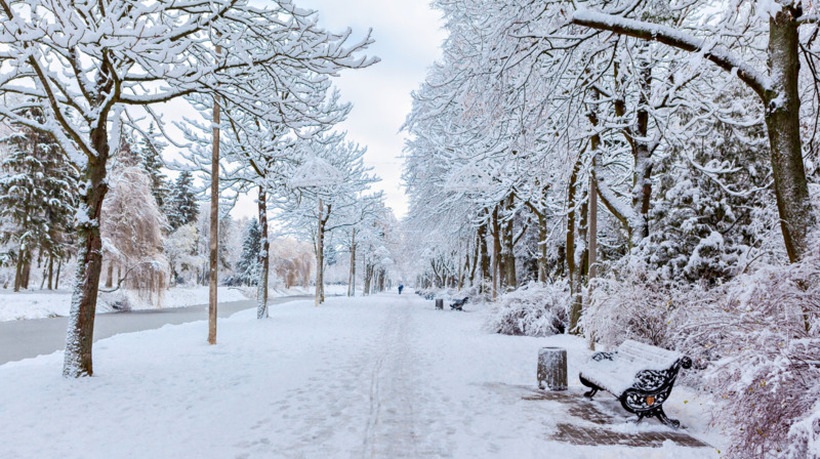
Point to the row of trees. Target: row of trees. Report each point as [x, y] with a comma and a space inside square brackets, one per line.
[639, 149]
[88, 71]
[513, 140]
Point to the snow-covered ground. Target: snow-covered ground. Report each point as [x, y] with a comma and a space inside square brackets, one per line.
[38, 304]
[382, 376]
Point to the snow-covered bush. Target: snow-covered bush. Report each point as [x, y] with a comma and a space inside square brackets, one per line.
[534, 310]
[635, 304]
[762, 333]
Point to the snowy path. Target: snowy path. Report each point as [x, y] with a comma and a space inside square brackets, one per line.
[380, 377]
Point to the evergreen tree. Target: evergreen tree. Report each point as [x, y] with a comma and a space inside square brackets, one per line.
[38, 195]
[149, 153]
[713, 201]
[247, 268]
[183, 207]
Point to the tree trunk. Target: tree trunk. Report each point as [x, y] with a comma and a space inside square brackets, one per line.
[574, 270]
[26, 274]
[320, 257]
[80, 336]
[50, 271]
[57, 279]
[18, 272]
[782, 116]
[368, 277]
[593, 231]
[45, 275]
[109, 278]
[642, 175]
[496, 253]
[484, 256]
[476, 254]
[264, 257]
[351, 281]
[542, 248]
[213, 243]
[508, 252]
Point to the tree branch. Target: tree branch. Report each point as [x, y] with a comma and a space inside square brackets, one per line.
[676, 39]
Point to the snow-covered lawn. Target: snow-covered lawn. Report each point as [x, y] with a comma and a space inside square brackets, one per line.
[38, 304]
[383, 376]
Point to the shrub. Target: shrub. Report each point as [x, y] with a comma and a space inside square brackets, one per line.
[533, 310]
[634, 305]
[762, 333]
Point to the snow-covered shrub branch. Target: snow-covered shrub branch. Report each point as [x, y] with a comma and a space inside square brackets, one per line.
[536, 309]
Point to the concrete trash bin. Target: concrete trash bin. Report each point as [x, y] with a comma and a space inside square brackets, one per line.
[552, 368]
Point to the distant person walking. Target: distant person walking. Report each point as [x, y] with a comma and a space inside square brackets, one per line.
[401, 287]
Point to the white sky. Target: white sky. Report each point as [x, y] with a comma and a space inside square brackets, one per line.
[408, 35]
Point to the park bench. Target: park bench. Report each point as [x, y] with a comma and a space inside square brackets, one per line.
[640, 376]
[458, 305]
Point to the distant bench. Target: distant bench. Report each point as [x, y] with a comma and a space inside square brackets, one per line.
[458, 305]
[640, 376]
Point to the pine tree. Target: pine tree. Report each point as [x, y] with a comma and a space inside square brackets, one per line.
[712, 203]
[38, 195]
[183, 207]
[149, 153]
[247, 268]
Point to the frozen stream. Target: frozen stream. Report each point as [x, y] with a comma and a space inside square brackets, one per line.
[22, 339]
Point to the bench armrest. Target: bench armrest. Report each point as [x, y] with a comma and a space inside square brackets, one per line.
[600, 356]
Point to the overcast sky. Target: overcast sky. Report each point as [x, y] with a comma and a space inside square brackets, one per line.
[408, 35]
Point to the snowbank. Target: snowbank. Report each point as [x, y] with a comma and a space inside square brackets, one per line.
[42, 304]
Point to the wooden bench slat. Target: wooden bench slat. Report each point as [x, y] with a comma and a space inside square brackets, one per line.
[639, 375]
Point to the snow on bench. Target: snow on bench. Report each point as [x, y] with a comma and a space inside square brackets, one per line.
[640, 376]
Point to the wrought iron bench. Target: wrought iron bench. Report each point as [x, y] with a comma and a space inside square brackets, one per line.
[640, 376]
[459, 304]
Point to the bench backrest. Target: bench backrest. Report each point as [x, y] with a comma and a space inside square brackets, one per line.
[653, 357]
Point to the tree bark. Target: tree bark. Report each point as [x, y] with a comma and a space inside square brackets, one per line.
[351, 281]
[484, 256]
[542, 247]
[109, 278]
[782, 116]
[26, 273]
[50, 271]
[80, 336]
[18, 272]
[574, 270]
[593, 231]
[496, 230]
[320, 256]
[368, 277]
[57, 278]
[213, 244]
[264, 257]
[508, 252]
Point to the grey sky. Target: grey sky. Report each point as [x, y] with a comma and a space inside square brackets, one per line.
[408, 35]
